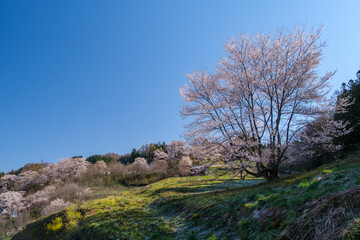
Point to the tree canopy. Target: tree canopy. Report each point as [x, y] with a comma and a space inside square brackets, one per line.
[263, 92]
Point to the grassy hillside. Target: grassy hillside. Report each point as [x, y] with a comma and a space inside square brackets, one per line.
[321, 204]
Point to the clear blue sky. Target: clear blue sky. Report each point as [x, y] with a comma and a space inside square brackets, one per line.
[91, 77]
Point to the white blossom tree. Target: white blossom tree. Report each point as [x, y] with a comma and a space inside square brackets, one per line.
[99, 167]
[159, 163]
[65, 170]
[177, 149]
[27, 180]
[72, 167]
[262, 93]
[39, 198]
[319, 135]
[206, 153]
[7, 182]
[138, 167]
[159, 154]
[11, 203]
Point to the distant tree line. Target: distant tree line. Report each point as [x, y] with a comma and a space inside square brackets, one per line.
[107, 158]
[146, 151]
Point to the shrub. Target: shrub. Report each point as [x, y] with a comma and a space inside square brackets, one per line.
[304, 184]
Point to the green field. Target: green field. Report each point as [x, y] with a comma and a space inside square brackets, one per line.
[294, 207]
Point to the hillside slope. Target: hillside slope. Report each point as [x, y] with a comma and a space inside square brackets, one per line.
[321, 204]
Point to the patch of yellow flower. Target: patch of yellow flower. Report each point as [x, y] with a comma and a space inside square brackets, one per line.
[55, 225]
[73, 217]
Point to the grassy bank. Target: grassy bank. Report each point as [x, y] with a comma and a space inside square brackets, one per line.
[321, 203]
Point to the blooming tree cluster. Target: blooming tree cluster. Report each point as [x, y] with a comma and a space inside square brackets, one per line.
[11, 203]
[100, 165]
[177, 149]
[160, 155]
[27, 180]
[39, 198]
[159, 163]
[175, 158]
[16, 192]
[138, 167]
[263, 92]
[7, 182]
[319, 135]
[65, 169]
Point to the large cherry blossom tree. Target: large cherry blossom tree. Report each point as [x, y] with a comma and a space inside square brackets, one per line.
[262, 93]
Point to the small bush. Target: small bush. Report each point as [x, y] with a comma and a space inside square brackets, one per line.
[326, 171]
[251, 205]
[304, 184]
[261, 198]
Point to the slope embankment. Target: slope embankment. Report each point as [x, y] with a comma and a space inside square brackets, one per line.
[320, 204]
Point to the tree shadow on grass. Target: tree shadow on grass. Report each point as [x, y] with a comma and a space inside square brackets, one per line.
[200, 214]
[207, 186]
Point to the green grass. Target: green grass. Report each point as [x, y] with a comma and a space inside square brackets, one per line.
[198, 208]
